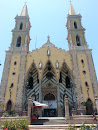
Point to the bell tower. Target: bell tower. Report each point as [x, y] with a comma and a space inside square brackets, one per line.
[12, 83]
[83, 67]
[76, 32]
[21, 38]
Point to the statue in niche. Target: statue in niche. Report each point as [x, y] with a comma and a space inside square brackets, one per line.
[48, 52]
[57, 64]
[40, 65]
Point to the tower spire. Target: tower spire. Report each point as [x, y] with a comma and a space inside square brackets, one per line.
[24, 11]
[71, 10]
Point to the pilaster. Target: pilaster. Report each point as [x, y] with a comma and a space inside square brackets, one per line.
[40, 93]
[92, 73]
[21, 77]
[5, 76]
[77, 81]
[58, 101]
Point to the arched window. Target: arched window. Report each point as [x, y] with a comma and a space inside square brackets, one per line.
[84, 72]
[49, 96]
[18, 42]
[9, 105]
[21, 26]
[67, 80]
[86, 84]
[60, 80]
[30, 83]
[11, 85]
[75, 25]
[82, 61]
[78, 40]
[49, 75]
[15, 63]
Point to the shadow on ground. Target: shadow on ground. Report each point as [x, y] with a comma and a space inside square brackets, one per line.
[47, 122]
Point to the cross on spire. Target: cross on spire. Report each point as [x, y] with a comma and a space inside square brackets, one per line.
[25, 2]
[48, 37]
[71, 10]
[70, 1]
[24, 10]
[48, 40]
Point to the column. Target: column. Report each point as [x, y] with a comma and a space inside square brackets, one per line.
[29, 106]
[67, 116]
[40, 93]
[59, 110]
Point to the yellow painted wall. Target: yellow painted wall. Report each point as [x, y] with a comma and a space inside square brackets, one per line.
[85, 77]
[12, 79]
[56, 54]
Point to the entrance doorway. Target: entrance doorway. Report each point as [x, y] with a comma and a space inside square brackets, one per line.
[9, 105]
[50, 113]
[89, 107]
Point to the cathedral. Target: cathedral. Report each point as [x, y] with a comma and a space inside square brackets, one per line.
[49, 73]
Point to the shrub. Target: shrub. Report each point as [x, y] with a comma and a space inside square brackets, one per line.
[4, 125]
[10, 113]
[15, 125]
[71, 127]
[86, 127]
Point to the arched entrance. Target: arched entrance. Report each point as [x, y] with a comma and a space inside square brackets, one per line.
[50, 99]
[89, 107]
[49, 90]
[9, 105]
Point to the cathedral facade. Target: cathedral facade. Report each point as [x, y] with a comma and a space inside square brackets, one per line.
[49, 74]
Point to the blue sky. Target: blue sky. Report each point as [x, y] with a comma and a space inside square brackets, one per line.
[48, 17]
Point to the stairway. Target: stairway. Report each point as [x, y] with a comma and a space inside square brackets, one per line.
[51, 123]
[48, 121]
[48, 127]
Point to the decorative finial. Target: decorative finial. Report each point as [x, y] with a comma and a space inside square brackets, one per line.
[48, 41]
[70, 1]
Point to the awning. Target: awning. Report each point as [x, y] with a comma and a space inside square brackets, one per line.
[38, 104]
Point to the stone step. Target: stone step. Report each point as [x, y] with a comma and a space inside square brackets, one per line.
[53, 127]
[48, 127]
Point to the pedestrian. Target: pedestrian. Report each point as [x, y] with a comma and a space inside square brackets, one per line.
[94, 117]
